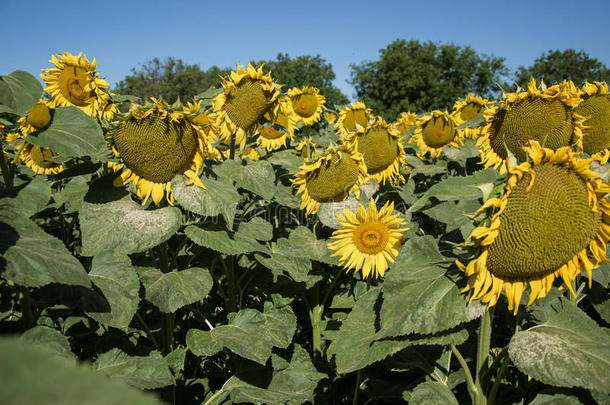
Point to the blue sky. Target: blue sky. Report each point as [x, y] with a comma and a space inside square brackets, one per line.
[123, 34]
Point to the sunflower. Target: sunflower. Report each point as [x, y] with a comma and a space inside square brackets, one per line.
[74, 82]
[596, 107]
[155, 143]
[248, 96]
[468, 109]
[37, 117]
[330, 178]
[368, 240]
[307, 105]
[545, 116]
[435, 131]
[271, 137]
[353, 117]
[552, 222]
[405, 122]
[306, 148]
[330, 118]
[382, 150]
[37, 159]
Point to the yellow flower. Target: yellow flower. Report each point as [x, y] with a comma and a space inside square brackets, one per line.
[37, 159]
[404, 123]
[331, 178]
[466, 110]
[74, 82]
[546, 116]
[281, 129]
[330, 118]
[306, 148]
[155, 144]
[368, 240]
[248, 96]
[353, 117]
[307, 105]
[596, 108]
[382, 150]
[552, 222]
[435, 131]
[36, 118]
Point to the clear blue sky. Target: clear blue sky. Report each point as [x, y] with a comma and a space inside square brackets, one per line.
[123, 34]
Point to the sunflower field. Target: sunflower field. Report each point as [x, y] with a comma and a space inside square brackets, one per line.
[255, 245]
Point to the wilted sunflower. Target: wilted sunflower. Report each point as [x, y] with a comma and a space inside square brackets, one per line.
[552, 222]
[435, 131]
[37, 159]
[155, 143]
[306, 148]
[545, 116]
[368, 240]
[596, 108]
[330, 178]
[74, 82]
[247, 97]
[273, 137]
[353, 117]
[307, 104]
[405, 122]
[468, 109]
[382, 150]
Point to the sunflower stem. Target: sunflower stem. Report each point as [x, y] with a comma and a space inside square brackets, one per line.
[149, 333]
[357, 389]
[232, 149]
[168, 319]
[315, 315]
[496, 385]
[469, 382]
[7, 174]
[26, 309]
[483, 356]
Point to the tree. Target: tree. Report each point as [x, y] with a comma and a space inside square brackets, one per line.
[305, 70]
[420, 77]
[169, 79]
[557, 66]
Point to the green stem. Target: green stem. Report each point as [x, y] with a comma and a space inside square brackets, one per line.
[482, 356]
[163, 258]
[496, 385]
[315, 315]
[6, 173]
[26, 309]
[469, 382]
[357, 389]
[330, 288]
[168, 333]
[149, 333]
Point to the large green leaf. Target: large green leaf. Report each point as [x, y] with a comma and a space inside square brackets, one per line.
[256, 229]
[72, 195]
[296, 267]
[19, 91]
[114, 275]
[292, 382]
[32, 257]
[29, 198]
[555, 399]
[124, 226]
[30, 375]
[221, 241]
[302, 243]
[418, 294]
[251, 334]
[171, 291]
[257, 177]
[48, 339]
[72, 133]
[431, 393]
[145, 372]
[568, 350]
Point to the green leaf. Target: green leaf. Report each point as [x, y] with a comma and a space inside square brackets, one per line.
[284, 196]
[327, 213]
[302, 243]
[454, 214]
[33, 258]
[145, 372]
[73, 194]
[19, 91]
[251, 334]
[296, 267]
[257, 177]
[171, 291]
[568, 350]
[50, 340]
[219, 197]
[175, 359]
[431, 393]
[287, 160]
[220, 241]
[121, 98]
[256, 229]
[124, 226]
[292, 382]
[555, 399]
[210, 93]
[114, 275]
[30, 375]
[72, 133]
[418, 166]
[29, 198]
[418, 295]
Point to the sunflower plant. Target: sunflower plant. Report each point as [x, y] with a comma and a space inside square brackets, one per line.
[250, 247]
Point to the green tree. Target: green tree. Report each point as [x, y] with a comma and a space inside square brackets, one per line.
[305, 70]
[169, 79]
[424, 76]
[557, 66]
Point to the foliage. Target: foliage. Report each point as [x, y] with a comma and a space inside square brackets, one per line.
[422, 76]
[555, 66]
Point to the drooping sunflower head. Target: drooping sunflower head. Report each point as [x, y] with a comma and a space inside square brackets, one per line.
[74, 82]
[551, 223]
[547, 117]
[382, 149]
[468, 109]
[368, 240]
[306, 148]
[353, 117]
[274, 136]
[404, 123]
[248, 96]
[307, 104]
[37, 117]
[37, 159]
[435, 131]
[331, 178]
[596, 108]
[155, 143]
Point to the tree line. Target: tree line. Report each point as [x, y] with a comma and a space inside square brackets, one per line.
[408, 76]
